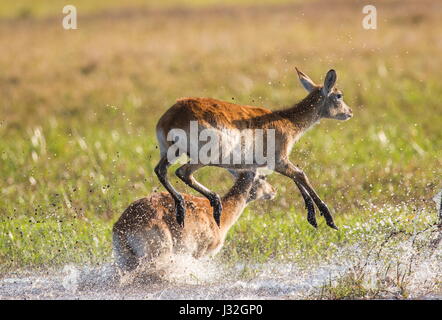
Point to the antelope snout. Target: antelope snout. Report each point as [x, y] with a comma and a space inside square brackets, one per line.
[346, 115]
[271, 195]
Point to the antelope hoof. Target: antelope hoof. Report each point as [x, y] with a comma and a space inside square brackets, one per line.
[312, 220]
[332, 225]
[180, 213]
[311, 215]
[217, 209]
[328, 217]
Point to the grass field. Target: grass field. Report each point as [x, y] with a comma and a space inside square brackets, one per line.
[78, 110]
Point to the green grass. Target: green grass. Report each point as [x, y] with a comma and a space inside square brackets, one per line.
[23, 9]
[51, 242]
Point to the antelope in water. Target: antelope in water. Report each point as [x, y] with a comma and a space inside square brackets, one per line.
[223, 119]
[147, 231]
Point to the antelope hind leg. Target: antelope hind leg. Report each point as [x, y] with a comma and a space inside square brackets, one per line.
[185, 173]
[161, 172]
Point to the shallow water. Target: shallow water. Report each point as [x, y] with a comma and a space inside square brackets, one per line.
[271, 282]
[407, 263]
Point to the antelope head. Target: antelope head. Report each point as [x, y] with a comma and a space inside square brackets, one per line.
[333, 105]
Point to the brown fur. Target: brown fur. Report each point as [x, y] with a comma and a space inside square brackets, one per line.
[289, 125]
[151, 223]
[220, 114]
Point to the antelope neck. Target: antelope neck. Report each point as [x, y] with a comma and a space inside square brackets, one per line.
[234, 202]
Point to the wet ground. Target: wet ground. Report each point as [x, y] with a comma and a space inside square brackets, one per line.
[410, 267]
[279, 281]
[273, 282]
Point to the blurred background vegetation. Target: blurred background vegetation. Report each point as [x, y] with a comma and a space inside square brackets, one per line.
[78, 110]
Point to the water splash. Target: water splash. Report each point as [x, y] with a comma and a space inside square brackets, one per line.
[386, 261]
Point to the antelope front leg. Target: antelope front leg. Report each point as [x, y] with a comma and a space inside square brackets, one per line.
[311, 214]
[323, 209]
[290, 170]
[185, 173]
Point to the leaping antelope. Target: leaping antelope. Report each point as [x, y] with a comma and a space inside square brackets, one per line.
[222, 118]
[148, 232]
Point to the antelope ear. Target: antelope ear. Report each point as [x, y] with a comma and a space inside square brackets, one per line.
[306, 82]
[234, 173]
[329, 82]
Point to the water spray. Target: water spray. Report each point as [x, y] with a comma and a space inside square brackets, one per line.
[438, 199]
